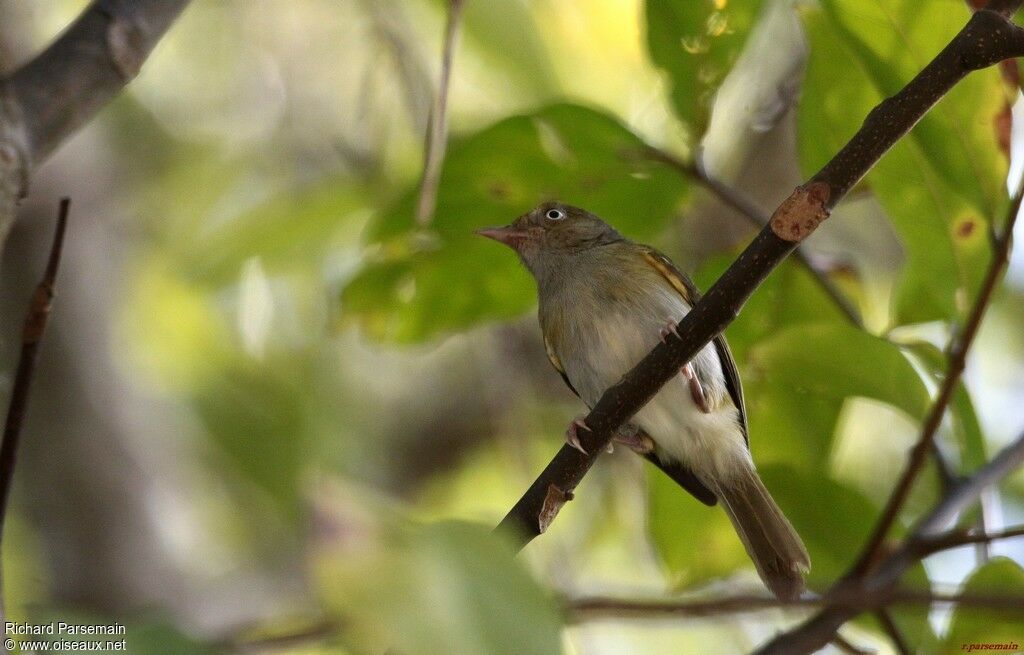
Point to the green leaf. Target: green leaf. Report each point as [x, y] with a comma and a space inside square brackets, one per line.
[941, 185]
[416, 286]
[798, 379]
[256, 414]
[440, 588]
[834, 528]
[696, 543]
[696, 42]
[1000, 575]
[966, 426]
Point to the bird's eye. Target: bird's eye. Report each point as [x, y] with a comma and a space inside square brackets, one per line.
[554, 214]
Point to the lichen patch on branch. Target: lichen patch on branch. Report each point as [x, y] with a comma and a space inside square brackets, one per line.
[802, 212]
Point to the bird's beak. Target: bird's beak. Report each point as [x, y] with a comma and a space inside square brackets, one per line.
[509, 235]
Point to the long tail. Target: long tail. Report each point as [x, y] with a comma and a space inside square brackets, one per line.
[773, 544]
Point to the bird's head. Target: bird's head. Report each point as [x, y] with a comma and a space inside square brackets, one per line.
[552, 230]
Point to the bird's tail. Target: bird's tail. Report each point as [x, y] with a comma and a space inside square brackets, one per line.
[773, 544]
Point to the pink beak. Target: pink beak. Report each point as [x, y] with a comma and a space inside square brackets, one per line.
[508, 235]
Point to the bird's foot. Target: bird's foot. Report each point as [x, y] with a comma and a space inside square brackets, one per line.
[670, 328]
[572, 433]
[572, 436]
[696, 390]
[633, 438]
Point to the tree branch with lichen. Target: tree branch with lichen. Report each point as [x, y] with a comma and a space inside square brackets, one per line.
[988, 38]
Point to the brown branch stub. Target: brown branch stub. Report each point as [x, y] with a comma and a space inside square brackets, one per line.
[553, 502]
[801, 213]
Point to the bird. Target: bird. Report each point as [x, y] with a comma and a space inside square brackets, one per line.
[604, 302]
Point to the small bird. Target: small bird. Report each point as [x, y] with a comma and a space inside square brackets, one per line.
[605, 301]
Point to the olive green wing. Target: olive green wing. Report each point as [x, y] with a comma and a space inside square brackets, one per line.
[691, 295]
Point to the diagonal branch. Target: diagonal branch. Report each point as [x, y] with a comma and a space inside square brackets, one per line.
[957, 361]
[32, 334]
[818, 630]
[50, 97]
[987, 39]
[743, 205]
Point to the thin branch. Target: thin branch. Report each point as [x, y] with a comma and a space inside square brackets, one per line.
[957, 538]
[957, 361]
[32, 334]
[437, 124]
[899, 642]
[50, 97]
[987, 39]
[746, 207]
[814, 633]
[856, 600]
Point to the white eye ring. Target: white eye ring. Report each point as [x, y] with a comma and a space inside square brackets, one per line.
[554, 214]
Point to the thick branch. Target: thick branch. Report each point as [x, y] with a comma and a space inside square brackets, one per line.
[986, 39]
[746, 208]
[89, 64]
[50, 97]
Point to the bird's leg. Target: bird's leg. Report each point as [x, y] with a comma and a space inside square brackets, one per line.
[632, 437]
[696, 390]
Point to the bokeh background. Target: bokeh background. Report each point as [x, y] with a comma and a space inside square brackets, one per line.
[269, 403]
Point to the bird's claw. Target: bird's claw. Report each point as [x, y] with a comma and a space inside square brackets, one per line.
[572, 433]
[670, 328]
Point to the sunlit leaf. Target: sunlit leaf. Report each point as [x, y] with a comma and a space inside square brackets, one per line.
[696, 42]
[966, 426]
[943, 184]
[1001, 575]
[799, 378]
[416, 285]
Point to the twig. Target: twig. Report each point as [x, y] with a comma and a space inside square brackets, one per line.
[35, 324]
[957, 361]
[744, 206]
[850, 599]
[437, 123]
[899, 642]
[818, 630]
[987, 39]
[957, 538]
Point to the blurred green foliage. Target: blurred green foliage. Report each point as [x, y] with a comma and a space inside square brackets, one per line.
[290, 301]
[943, 184]
[425, 282]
